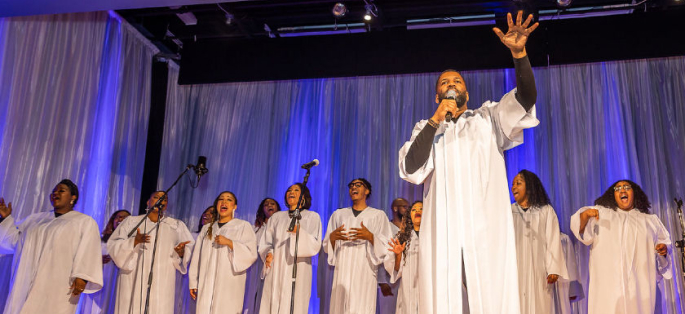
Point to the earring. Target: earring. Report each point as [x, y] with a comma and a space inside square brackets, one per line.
[72, 202]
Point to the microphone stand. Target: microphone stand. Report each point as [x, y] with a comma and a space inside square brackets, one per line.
[295, 225]
[157, 225]
[681, 243]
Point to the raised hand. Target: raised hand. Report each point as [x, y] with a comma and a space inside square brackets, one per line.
[221, 240]
[585, 217]
[5, 210]
[517, 35]
[77, 286]
[361, 233]
[661, 249]
[181, 248]
[141, 238]
[396, 247]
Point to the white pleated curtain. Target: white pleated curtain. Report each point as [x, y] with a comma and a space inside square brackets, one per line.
[74, 103]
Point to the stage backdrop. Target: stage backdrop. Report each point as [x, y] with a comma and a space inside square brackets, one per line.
[74, 103]
[599, 123]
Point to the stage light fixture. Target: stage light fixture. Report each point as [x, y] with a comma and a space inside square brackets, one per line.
[564, 3]
[371, 10]
[339, 10]
[229, 18]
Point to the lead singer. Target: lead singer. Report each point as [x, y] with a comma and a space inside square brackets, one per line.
[467, 218]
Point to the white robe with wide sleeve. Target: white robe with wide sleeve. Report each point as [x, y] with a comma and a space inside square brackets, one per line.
[539, 254]
[387, 305]
[255, 282]
[102, 302]
[571, 288]
[466, 209]
[278, 279]
[624, 266]
[217, 271]
[408, 294]
[356, 262]
[49, 254]
[134, 264]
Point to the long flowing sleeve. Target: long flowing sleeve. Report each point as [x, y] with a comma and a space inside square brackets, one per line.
[120, 246]
[244, 252]
[87, 263]
[266, 246]
[663, 263]
[194, 268]
[419, 175]
[575, 288]
[327, 246]
[381, 236]
[510, 119]
[183, 235]
[310, 237]
[588, 237]
[9, 235]
[555, 262]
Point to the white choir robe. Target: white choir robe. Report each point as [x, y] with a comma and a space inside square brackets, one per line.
[466, 208]
[539, 254]
[134, 264]
[387, 305]
[356, 262]
[102, 302]
[255, 282]
[564, 289]
[184, 302]
[49, 254]
[219, 272]
[624, 266]
[278, 278]
[408, 295]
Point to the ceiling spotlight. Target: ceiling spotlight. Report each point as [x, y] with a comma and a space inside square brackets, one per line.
[371, 10]
[339, 10]
[229, 18]
[564, 3]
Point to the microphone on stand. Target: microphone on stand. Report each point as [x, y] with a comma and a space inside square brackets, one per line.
[200, 168]
[311, 164]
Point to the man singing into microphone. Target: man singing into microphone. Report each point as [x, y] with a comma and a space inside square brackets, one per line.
[467, 232]
[133, 256]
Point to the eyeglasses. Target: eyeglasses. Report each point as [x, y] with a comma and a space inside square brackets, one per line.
[623, 187]
[355, 185]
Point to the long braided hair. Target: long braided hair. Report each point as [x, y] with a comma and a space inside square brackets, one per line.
[216, 212]
[404, 235]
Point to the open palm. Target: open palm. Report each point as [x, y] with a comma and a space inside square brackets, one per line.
[517, 34]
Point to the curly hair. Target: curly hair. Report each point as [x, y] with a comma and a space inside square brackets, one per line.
[216, 212]
[305, 193]
[640, 199]
[404, 235]
[261, 216]
[537, 196]
[109, 229]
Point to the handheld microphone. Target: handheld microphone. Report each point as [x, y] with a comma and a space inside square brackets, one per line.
[311, 164]
[451, 94]
[201, 169]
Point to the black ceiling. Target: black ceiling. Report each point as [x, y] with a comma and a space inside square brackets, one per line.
[164, 28]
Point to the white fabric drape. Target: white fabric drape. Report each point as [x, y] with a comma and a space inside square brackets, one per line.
[74, 103]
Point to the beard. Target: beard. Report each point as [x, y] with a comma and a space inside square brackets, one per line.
[460, 99]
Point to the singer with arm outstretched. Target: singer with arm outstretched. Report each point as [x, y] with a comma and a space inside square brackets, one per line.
[133, 256]
[461, 165]
[56, 255]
